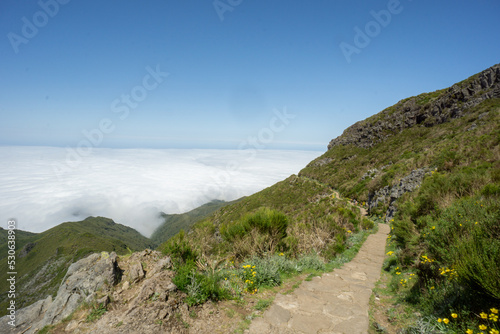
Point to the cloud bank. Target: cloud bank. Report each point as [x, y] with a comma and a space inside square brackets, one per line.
[131, 186]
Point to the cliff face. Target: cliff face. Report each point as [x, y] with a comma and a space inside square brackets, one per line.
[428, 109]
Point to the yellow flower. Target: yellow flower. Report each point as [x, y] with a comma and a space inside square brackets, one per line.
[398, 273]
[349, 231]
[432, 288]
[482, 327]
[433, 228]
[446, 320]
[281, 254]
[493, 317]
[390, 253]
[440, 320]
[494, 331]
[483, 315]
[494, 310]
[454, 315]
[469, 331]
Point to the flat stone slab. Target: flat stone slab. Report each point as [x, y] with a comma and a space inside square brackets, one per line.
[335, 303]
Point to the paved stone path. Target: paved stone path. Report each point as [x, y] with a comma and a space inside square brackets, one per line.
[335, 303]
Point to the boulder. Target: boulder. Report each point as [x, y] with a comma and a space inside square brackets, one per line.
[83, 279]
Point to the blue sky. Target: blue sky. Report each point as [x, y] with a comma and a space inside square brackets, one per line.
[229, 69]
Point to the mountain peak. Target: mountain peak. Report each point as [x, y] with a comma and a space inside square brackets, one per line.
[427, 109]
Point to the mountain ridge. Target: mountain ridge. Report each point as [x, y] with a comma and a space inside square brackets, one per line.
[428, 109]
[439, 166]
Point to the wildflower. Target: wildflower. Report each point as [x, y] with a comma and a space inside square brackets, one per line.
[390, 253]
[493, 317]
[446, 320]
[494, 310]
[432, 288]
[482, 327]
[454, 315]
[440, 320]
[483, 315]
[469, 331]
[281, 254]
[433, 228]
[349, 231]
[398, 273]
[494, 331]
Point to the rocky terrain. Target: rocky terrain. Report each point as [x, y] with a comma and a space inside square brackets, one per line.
[426, 109]
[388, 195]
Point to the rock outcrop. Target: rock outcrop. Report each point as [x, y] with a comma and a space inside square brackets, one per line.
[388, 195]
[427, 109]
[135, 294]
[83, 279]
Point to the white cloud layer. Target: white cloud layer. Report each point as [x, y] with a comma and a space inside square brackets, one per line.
[45, 186]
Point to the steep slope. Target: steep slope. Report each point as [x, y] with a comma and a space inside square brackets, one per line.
[426, 109]
[175, 222]
[430, 165]
[43, 258]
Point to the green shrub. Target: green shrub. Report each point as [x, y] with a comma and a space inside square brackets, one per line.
[259, 233]
[179, 249]
[367, 224]
[96, 312]
[491, 190]
[199, 287]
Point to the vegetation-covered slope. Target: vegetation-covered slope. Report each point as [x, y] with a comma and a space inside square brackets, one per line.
[43, 258]
[450, 214]
[175, 222]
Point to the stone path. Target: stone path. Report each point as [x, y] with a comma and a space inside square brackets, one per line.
[335, 303]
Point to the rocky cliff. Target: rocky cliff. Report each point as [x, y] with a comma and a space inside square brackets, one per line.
[427, 109]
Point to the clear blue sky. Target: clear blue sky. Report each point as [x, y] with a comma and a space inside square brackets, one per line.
[226, 76]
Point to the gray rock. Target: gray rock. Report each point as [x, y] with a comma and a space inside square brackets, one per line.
[26, 316]
[452, 103]
[389, 195]
[83, 279]
[136, 272]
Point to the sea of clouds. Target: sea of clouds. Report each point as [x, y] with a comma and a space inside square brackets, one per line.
[42, 187]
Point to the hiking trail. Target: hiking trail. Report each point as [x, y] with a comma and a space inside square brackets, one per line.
[335, 303]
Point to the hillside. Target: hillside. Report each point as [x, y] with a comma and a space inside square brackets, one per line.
[173, 223]
[429, 166]
[43, 258]
[431, 163]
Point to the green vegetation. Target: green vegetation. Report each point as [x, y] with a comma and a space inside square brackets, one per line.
[203, 278]
[96, 312]
[51, 252]
[175, 222]
[445, 237]
[443, 252]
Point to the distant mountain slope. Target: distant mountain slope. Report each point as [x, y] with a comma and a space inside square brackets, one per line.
[43, 258]
[175, 222]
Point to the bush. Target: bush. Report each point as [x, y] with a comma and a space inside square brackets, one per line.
[367, 224]
[261, 232]
[199, 287]
[179, 249]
